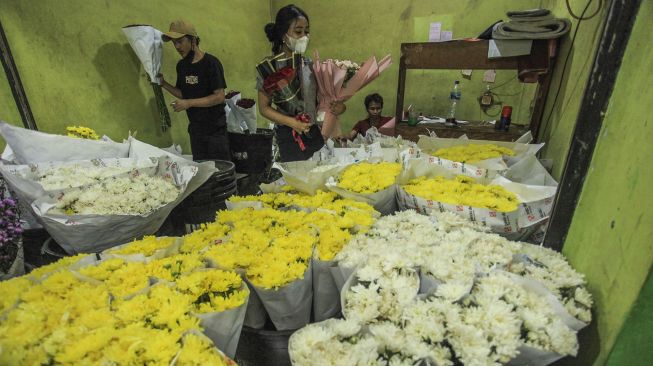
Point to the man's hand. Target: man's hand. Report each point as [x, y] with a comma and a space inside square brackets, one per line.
[180, 105]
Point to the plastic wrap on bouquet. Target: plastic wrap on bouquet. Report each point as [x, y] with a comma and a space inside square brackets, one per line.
[30, 146]
[348, 155]
[148, 46]
[224, 328]
[384, 201]
[238, 118]
[326, 294]
[332, 87]
[340, 274]
[521, 147]
[289, 306]
[535, 201]
[532, 356]
[307, 176]
[167, 251]
[555, 304]
[92, 233]
[255, 314]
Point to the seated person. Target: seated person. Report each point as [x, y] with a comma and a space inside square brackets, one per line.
[373, 105]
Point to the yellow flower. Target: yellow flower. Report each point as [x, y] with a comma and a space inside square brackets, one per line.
[82, 132]
[171, 268]
[472, 152]
[62, 263]
[197, 351]
[213, 290]
[369, 178]
[208, 235]
[463, 191]
[146, 246]
[10, 291]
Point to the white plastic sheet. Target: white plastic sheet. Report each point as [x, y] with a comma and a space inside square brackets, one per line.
[148, 46]
[29, 146]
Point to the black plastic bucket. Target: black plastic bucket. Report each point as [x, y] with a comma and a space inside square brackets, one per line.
[263, 347]
[252, 153]
[201, 205]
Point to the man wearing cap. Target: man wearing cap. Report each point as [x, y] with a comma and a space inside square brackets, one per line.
[200, 92]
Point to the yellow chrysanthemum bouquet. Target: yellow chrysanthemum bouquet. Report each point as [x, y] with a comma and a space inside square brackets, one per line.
[82, 132]
[505, 206]
[146, 249]
[373, 183]
[473, 153]
[109, 311]
[275, 245]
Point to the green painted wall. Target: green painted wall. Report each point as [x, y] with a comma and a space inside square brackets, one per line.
[560, 127]
[77, 67]
[633, 346]
[357, 29]
[610, 239]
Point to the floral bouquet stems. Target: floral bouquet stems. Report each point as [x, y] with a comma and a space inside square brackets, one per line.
[164, 115]
[332, 87]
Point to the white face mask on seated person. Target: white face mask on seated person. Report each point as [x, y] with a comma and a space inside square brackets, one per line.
[298, 45]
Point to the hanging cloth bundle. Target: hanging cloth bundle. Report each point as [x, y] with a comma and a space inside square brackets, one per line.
[531, 24]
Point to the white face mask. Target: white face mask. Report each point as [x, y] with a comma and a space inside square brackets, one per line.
[298, 45]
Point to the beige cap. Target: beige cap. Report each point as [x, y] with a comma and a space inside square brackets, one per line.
[178, 29]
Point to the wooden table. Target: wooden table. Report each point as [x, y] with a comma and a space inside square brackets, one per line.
[473, 130]
[537, 67]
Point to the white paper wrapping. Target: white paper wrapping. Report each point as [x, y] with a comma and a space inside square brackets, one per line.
[307, 176]
[92, 233]
[535, 206]
[373, 153]
[29, 146]
[224, 328]
[289, 307]
[326, 295]
[148, 46]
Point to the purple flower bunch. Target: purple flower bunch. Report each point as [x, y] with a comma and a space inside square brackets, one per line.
[10, 228]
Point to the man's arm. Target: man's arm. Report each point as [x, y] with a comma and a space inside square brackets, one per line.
[217, 97]
[169, 87]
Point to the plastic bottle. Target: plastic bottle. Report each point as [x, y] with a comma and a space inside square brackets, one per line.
[454, 98]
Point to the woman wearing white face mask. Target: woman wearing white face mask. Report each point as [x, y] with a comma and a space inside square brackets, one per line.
[289, 35]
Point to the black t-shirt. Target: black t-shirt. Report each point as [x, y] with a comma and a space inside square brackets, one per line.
[197, 80]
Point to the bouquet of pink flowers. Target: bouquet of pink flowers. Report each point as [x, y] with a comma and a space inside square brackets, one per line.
[340, 80]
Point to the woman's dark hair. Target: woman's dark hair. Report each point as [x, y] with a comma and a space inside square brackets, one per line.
[376, 98]
[285, 17]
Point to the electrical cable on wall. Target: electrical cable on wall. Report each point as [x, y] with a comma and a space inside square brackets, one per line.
[564, 66]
